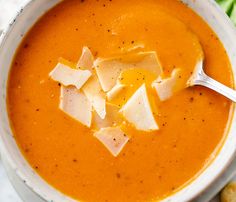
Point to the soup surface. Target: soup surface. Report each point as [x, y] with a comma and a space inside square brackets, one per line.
[151, 166]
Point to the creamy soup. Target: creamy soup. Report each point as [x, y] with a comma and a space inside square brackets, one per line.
[152, 165]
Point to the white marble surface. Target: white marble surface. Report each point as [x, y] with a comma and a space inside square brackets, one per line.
[7, 193]
[8, 9]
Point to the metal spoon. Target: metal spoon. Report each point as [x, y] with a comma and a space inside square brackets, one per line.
[199, 77]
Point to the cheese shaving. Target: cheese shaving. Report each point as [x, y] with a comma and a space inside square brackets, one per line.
[75, 104]
[68, 76]
[109, 69]
[113, 117]
[115, 91]
[93, 91]
[138, 111]
[86, 60]
[165, 88]
[113, 138]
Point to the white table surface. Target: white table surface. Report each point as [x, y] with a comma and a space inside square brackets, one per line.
[8, 9]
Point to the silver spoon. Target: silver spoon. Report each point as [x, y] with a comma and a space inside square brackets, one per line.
[199, 77]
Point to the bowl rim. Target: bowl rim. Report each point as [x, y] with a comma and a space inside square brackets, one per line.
[4, 151]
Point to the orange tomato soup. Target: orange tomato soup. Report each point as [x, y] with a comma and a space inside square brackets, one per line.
[151, 166]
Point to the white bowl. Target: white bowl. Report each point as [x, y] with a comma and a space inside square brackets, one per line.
[28, 183]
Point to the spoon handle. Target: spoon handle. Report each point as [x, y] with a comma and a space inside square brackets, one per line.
[204, 80]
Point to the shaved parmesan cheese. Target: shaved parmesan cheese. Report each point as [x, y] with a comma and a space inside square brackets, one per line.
[165, 88]
[109, 69]
[68, 76]
[113, 117]
[74, 103]
[86, 60]
[115, 91]
[133, 47]
[113, 138]
[138, 111]
[93, 91]
[67, 62]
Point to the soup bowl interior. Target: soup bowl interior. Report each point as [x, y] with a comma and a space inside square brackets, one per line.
[26, 180]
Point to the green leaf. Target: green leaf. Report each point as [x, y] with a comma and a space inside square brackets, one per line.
[233, 13]
[226, 5]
